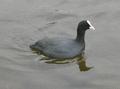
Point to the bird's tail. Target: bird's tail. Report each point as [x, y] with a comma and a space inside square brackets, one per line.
[31, 46]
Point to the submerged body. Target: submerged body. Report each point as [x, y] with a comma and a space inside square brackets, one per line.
[59, 48]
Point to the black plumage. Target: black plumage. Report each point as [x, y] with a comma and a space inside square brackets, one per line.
[58, 48]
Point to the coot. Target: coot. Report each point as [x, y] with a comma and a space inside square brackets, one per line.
[58, 48]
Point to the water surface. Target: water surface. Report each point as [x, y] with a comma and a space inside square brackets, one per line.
[22, 22]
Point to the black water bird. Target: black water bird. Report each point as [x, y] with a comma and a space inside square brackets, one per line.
[59, 48]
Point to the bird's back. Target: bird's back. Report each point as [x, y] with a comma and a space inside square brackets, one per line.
[59, 48]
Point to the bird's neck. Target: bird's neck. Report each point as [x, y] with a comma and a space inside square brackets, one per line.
[80, 35]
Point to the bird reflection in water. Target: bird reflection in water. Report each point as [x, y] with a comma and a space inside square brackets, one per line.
[79, 60]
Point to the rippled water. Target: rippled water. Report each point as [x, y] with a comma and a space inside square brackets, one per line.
[23, 22]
